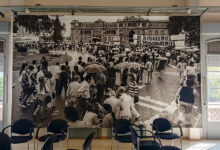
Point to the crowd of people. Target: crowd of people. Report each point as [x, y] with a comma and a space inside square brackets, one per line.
[98, 98]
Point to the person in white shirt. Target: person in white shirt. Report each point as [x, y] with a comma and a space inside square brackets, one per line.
[198, 70]
[39, 74]
[84, 96]
[23, 80]
[114, 103]
[148, 68]
[191, 72]
[50, 82]
[127, 103]
[91, 117]
[84, 87]
[56, 74]
[72, 93]
[181, 67]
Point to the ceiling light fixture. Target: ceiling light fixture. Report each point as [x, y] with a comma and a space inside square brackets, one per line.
[189, 11]
[27, 11]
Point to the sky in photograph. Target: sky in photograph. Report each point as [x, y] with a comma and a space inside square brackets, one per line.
[68, 19]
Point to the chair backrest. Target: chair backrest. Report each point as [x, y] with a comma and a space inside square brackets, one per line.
[87, 144]
[122, 126]
[22, 126]
[162, 124]
[57, 126]
[48, 144]
[134, 135]
[5, 142]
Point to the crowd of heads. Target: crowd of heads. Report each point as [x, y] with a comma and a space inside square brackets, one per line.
[44, 84]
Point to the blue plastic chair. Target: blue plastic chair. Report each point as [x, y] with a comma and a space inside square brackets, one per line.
[22, 127]
[122, 132]
[164, 130]
[58, 127]
[146, 144]
[5, 142]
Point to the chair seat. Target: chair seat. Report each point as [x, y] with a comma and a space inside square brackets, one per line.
[20, 139]
[170, 148]
[168, 136]
[149, 145]
[124, 138]
[58, 137]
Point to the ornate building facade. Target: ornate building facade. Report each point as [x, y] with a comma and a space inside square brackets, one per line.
[122, 31]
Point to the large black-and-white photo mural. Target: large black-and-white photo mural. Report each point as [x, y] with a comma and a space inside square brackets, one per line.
[92, 70]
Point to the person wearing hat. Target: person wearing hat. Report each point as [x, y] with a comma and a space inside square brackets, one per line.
[185, 98]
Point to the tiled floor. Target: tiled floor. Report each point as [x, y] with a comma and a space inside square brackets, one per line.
[99, 144]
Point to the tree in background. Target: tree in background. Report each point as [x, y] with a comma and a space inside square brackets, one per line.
[57, 33]
[191, 25]
[175, 25]
[33, 24]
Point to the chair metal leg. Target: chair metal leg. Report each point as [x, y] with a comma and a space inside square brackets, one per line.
[181, 144]
[111, 143]
[67, 143]
[117, 145]
[172, 142]
[34, 143]
[67, 138]
[60, 145]
[37, 145]
[28, 145]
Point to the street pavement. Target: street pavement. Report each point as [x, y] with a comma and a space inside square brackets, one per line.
[157, 99]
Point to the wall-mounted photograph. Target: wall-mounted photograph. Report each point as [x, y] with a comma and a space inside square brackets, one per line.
[92, 70]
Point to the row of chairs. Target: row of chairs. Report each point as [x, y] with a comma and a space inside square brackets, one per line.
[22, 131]
[5, 143]
[122, 126]
[161, 129]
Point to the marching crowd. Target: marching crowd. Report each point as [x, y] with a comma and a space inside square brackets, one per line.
[105, 87]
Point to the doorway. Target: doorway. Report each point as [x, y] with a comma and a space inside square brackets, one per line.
[131, 36]
[213, 89]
